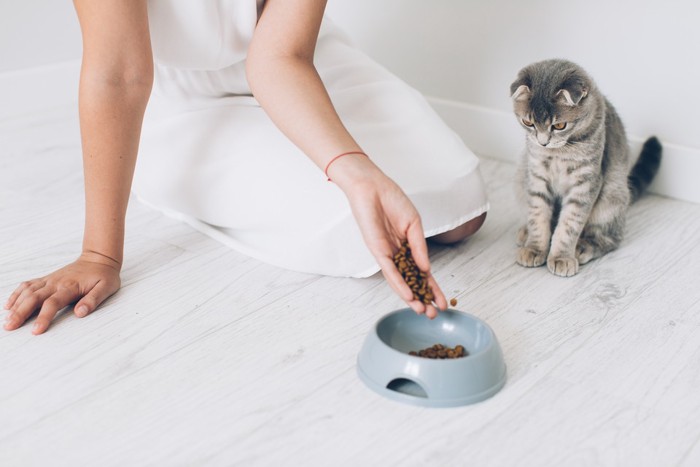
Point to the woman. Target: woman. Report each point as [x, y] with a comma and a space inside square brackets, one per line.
[253, 172]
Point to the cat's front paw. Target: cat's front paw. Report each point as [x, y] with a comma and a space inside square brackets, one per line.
[585, 252]
[562, 266]
[530, 258]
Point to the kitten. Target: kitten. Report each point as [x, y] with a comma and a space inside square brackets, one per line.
[575, 173]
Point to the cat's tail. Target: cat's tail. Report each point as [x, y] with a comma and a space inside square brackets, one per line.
[645, 169]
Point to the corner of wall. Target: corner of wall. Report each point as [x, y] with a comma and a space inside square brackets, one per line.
[495, 134]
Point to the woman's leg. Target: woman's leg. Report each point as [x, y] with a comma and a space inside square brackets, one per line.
[460, 233]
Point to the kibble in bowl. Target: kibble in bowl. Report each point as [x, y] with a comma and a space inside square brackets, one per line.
[441, 351]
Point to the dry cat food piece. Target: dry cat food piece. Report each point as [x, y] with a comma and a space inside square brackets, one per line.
[416, 279]
[453, 302]
[440, 351]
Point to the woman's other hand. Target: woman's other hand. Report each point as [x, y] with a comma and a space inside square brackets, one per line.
[87, 282]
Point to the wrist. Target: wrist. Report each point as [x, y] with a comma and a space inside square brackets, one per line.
[94, 256]
[344, 154]
[352, 170]
[103, 239]
[107, 257]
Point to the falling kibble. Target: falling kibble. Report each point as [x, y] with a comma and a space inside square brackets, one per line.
[416, 279]
[453, 302]
[440, 351]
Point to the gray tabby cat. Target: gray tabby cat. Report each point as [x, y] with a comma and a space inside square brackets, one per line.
[575, 173]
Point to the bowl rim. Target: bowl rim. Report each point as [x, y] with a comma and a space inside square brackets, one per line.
[438, 361]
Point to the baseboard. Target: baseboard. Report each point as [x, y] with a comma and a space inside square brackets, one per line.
[488, 132]
[496, 134]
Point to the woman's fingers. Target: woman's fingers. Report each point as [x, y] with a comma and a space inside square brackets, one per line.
[439, 303]
[419, 247]
[397, 282]
[63, 297]
[438, 295]
[98, 294]
[418, 306]
[13, 296]
[25, 290]
[24, 308]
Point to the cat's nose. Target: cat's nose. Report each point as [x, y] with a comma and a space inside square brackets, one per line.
[543, 139]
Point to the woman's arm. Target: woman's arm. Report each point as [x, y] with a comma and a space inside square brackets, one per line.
[284, 80]
[115, 84]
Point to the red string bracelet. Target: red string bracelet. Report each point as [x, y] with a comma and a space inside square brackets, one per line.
[338, 157]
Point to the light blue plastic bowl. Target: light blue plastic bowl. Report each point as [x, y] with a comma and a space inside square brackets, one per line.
[385, 366]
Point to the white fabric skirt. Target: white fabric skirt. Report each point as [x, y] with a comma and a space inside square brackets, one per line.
[210, 156]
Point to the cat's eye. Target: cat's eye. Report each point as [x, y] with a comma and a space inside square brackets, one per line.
[527, 122]
[559, 126]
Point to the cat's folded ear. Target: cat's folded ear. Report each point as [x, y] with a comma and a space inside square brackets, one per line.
[520, 89]
[521, 93]
[573, 91]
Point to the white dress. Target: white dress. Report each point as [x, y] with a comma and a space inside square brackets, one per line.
[210, 156]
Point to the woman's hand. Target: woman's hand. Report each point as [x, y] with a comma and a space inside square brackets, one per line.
[386, 218]
[88, 281]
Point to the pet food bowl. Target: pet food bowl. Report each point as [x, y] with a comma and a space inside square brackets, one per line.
[385, 366]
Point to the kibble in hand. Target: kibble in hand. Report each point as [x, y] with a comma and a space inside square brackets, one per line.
[440, 351]
[416, 279]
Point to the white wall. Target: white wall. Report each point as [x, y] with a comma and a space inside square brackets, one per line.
[40, 49]
[464, 54]
[643, 53]
[37, 32]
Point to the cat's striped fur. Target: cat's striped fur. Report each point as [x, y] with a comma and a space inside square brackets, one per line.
[576, 175]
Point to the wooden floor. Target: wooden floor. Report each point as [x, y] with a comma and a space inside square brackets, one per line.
[206, 357]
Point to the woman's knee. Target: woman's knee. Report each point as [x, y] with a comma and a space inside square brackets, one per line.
[461, 232]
